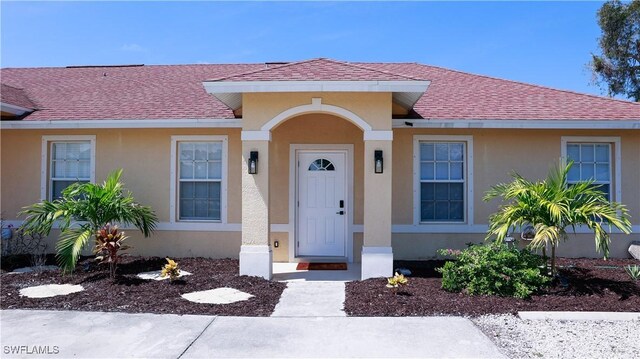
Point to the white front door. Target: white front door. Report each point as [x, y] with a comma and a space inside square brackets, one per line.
[322, 203]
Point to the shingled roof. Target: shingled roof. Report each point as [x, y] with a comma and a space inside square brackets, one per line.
[177, 92]
[15, 96]
[317, 70]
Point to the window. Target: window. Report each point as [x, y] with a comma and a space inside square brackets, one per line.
[442, 183]
[591, 161]
[595, 157]
[199, 185]
[66, 160]
[321, 164]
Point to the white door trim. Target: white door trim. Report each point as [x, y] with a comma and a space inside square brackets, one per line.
[293, 192]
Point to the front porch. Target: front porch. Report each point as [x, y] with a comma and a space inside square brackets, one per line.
[317, 164]
[287, 272]
[322, 189]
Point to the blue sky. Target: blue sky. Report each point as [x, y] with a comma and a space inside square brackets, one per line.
[546, 43]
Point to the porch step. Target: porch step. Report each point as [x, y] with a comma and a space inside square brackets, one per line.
[311, 299]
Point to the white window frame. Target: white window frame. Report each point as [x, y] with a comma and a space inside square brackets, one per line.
[468, 176]
[616, 156]
[173, 190]
[45, 175]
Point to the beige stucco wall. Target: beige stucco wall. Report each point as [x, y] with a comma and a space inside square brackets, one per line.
[416, 246]
[280, 254]
[145, 156]
[497, 152]
[255, 194]
[260, 108]
[312, 129]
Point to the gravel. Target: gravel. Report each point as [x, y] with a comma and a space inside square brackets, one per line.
[519, 338]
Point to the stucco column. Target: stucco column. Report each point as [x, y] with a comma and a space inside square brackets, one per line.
[255, 253]
[377, 255]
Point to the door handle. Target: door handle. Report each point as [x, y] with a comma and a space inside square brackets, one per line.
[340, 213]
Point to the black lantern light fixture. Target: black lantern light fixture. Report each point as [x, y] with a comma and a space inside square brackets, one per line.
[253, 162]
[378, 163]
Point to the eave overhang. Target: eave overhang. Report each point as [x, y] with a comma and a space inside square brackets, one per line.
[405, 93]
[13, 109]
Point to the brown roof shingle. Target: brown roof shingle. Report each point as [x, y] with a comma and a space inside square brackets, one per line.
[317, 70]
[176, 91]
[15, 96]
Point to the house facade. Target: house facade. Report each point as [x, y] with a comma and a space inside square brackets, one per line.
[313, 160]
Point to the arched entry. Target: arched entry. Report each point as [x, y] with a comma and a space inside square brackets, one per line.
[316, 106]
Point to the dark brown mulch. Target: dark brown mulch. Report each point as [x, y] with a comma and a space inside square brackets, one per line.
[128, 293]
[587, 285]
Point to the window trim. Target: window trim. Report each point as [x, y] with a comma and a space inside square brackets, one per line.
[173, 190]
[468, 171]
[616, 156]
[45, 190]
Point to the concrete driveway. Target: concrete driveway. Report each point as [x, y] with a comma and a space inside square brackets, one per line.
[67, 334]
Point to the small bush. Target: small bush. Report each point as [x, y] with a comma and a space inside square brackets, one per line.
[396, 281]
[109, 245]
[494, 269]
[171, 270]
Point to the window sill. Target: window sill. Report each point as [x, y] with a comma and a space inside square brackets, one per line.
[208, 226]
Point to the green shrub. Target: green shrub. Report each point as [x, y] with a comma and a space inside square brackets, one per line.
[494, 269]
[633, 271]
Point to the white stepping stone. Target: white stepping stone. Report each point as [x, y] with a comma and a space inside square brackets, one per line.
[34, 269]
[156, 275]
[50, 290]
[217, 296]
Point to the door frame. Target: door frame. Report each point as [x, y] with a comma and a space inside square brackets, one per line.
[294, 150]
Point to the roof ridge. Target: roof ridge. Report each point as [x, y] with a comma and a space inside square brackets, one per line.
[372, 69]
[262, 70]
[33, 104]
[14, 87]
[531, 85]
[312, 60]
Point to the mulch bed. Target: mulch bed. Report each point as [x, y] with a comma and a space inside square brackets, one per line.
[591, 285]
[128, 293]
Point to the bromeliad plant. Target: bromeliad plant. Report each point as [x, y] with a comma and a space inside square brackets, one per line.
[551, 206]
[82, 211]
[171, 270]
[108, 247]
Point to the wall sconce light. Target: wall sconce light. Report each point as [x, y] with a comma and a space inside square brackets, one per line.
[253, 162]
[378, 161]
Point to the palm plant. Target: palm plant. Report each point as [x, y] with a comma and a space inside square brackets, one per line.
[553, 205]
[82, 211]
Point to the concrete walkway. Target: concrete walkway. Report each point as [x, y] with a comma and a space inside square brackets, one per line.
[311, 299]
[312, 293]
[118, 335]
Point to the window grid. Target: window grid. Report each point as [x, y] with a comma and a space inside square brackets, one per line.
[70, 162]
[436, 159]
[589, 160]
[200, 164]
[321, 164]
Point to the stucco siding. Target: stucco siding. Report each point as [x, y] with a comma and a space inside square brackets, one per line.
[145, 156]
[260, 108]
